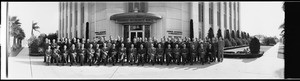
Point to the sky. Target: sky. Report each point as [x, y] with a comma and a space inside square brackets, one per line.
[46, 14]
[262, 18]
[256, 17]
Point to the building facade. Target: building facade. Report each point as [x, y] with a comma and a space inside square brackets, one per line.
[146, 19]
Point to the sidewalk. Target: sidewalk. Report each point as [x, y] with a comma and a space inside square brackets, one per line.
[19, 66]
[269, 66]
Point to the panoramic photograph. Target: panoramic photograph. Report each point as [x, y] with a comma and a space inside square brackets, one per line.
[143, 40]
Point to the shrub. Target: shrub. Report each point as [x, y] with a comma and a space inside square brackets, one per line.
[238, 41]
[227, 43]
[233, 42]
[254, 46]
[33, 44]
[245, 41]
[269, 41]
[219, 33]
[210, 33]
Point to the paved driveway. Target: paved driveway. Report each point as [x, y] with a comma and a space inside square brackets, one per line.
[268, 66]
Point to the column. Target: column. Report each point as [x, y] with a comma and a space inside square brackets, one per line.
[69, 20]
[227, 16]
[79, 24]
[73, 28]
[59, 21]
[206, 18]
[65, 19]
[239, 21]
[222, 12]
[195, 17]
[215, 18]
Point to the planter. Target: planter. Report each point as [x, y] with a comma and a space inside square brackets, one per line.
[243, 55]
[36, 51]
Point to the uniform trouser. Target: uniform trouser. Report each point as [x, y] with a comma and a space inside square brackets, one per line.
[131, 59]
[184, 58]
[97, 58]
[81, 58]
[73, 59]
[151, 58]
[207, 57]
[193, 58]
[104, 59]
[159, 58]
[168, 58]
[113, 59]
[122, 57]
[65, 58]
[141, 58]
[57, 59]
[202, 57]
[213, 56]
[47, 58]
[177, 58]
[90, 59]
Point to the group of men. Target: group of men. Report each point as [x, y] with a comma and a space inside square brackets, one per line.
[138, 51]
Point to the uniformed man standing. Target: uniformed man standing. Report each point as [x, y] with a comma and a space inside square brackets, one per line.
[160, 54]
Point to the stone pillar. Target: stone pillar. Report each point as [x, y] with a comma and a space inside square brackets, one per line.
[239, 21]
[215, 26]
[79, 24]
[73, 28]
[195, 17]
[227, 16]
[222, 12]
[65, 19]
[206, 18]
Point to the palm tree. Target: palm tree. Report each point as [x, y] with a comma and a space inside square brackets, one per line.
[282, 26]
[35, 28]
[15, 25]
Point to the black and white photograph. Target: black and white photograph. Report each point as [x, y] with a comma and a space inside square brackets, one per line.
[142, 40]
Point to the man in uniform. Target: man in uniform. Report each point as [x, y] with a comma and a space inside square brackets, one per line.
[141, 54]
[184, 54]
[169, 54]
[73, 54]
[176, 52]
[113, 54]
[193, 54]
[132, 54]
[90, 54]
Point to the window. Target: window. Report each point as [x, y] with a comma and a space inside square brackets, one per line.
[139, 6]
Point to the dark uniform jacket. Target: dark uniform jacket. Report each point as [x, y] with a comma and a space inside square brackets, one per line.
[193, 51]
[113, 52]
[169, 52]
[141, 51]
[105, 51]
[122, 50]
[90, 52]
[132, 51]
[185, 51]
[160, 52]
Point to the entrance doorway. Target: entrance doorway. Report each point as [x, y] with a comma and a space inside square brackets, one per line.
[133, 31]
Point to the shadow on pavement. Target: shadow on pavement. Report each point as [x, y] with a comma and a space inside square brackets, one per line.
[249, 60]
